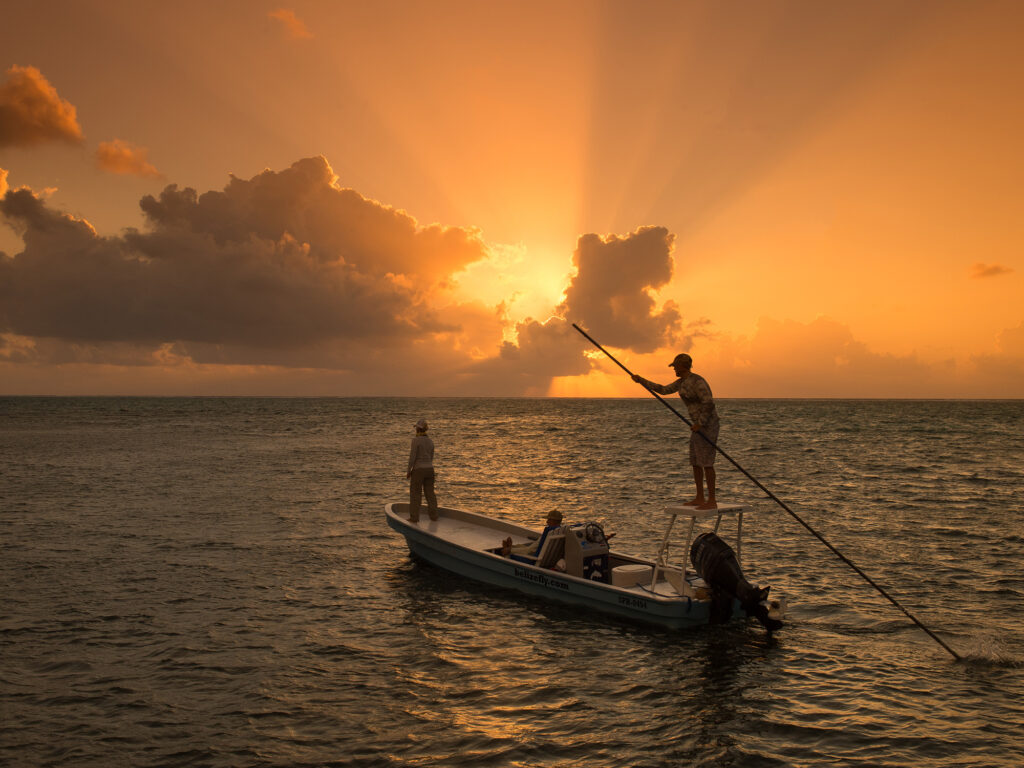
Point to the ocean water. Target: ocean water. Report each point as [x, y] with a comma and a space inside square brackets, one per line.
[210, 582]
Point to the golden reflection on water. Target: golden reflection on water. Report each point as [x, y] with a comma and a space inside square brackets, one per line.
[215, 579]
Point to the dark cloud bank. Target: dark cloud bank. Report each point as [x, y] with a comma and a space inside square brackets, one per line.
[289, 269]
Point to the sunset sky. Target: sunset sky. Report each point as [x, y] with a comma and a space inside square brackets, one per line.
[815, 199]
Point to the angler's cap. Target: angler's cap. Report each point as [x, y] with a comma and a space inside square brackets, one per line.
[422, 425]
[682, 359]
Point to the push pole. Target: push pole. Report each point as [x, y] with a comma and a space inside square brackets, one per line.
[780, 502]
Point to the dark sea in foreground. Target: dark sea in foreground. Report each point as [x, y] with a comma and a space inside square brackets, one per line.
[210, 582]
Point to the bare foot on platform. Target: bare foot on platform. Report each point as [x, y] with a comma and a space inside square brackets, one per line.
[694, 502]
[708, 505]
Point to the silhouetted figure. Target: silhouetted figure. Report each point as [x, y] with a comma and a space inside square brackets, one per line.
[421, 474]
[696, 395]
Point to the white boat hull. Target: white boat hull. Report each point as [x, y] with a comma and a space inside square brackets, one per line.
[459, 542]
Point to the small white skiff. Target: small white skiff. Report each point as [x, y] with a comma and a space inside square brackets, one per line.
[573, 564]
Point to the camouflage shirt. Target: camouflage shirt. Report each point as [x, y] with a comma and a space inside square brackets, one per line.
[695, 393]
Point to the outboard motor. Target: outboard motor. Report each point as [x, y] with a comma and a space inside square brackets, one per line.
[715, 562]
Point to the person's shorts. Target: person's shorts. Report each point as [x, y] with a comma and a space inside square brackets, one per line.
[702, 453]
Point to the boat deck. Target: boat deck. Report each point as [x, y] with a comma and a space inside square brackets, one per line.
[468, 533]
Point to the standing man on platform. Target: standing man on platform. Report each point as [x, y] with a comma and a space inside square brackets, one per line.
[696, 394]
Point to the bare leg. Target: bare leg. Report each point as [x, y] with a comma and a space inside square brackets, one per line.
[698, 480]
[709, 473]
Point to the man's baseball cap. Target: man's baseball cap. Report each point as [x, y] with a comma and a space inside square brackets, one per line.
[682, 359]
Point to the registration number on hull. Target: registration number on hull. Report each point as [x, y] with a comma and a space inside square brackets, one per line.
[632, 602]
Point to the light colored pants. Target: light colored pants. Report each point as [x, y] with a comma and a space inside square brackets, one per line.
[422, 481]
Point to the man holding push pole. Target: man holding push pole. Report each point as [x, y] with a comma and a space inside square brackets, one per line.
[696, 394]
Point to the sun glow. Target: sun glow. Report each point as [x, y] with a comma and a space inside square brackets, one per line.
[530, 283]
[828, 186]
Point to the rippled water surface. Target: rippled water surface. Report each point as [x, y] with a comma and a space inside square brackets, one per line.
[211, 582]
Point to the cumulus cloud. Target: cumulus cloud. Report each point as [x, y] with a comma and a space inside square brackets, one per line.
[289, 270]
[980, 270]
[338, 225]
[283, 270]
[278, 269]
[292, 25]
[610, 296]
[611, 292]
[542, 351]
[31, 111]
[3, 182]
[126, 159]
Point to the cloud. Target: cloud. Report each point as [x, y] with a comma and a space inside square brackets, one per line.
[125, 159]
[338, 225]
[980, 270]
[281, 269]
[285, 270]
[288, 283]
[610, 293]
[31, 111]
[542, 351]
[1006, 368]
[1011, 341]
[823, 358]
[289, 270]
[292, 25]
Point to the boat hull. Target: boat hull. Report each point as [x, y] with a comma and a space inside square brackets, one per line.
[630, 603]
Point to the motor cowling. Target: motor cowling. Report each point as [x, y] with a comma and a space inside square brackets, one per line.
[716, 563]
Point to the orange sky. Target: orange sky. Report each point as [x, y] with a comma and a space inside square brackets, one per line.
[418, 198]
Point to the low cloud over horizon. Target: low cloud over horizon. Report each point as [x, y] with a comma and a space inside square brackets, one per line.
[289, 269]
[289, 283]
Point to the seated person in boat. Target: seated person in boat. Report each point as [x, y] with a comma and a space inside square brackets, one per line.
[532, 548]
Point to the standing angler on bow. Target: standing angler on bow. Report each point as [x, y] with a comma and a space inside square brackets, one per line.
[696, 394]
[421, 474]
